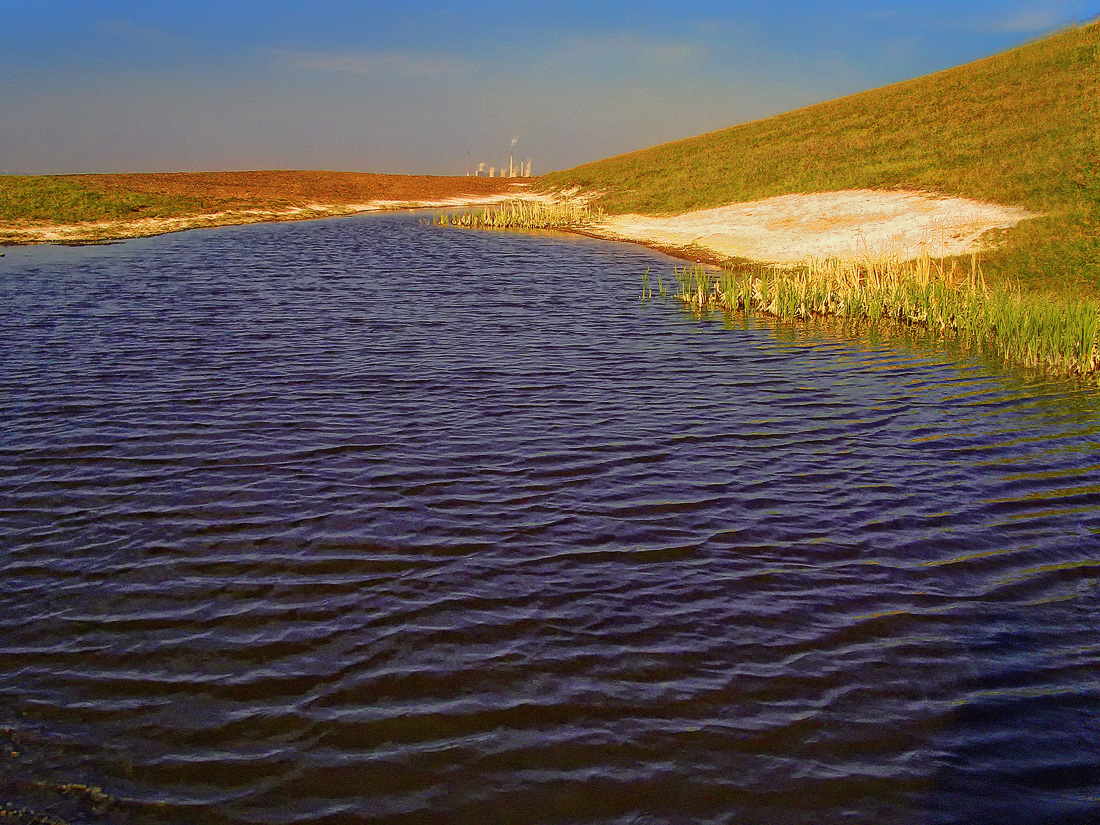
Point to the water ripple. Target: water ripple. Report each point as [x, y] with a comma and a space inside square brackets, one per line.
[358, 520]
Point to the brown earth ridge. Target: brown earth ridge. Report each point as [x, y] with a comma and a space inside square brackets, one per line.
[229, 198]
[299, 187]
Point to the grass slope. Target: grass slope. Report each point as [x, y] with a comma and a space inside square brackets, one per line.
[1019, 128]
[34, 199]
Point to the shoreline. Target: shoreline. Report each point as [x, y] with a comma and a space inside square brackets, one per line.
[99, 208]
[95, 232]
[783, 231]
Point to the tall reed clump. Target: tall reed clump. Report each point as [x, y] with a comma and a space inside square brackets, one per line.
[1035, 331]
[526, 214]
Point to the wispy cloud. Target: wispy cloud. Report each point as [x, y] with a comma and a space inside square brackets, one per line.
[1027, 21]
[143, 34]
[1019, 18]
[387, 63]
[901, 49]
[880, 14]
[628, 49]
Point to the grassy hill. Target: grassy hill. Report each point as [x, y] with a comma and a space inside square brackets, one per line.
[1020, 128]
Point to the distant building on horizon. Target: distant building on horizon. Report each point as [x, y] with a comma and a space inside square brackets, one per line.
[522, 170]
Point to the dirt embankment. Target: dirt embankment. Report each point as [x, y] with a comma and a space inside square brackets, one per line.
[296, 187]
[225, 198]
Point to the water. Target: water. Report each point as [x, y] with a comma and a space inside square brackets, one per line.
[366, 521]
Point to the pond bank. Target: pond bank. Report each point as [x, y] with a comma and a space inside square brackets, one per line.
[780, 230]
[114, 230]
[96, 208]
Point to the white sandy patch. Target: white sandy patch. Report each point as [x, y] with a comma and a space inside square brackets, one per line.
[791, 228]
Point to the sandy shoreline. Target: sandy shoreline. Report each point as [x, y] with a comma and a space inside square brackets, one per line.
[780, 230]
[206, 199]
[98, 231]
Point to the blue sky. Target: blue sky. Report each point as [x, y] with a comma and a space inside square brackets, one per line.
[412, 87]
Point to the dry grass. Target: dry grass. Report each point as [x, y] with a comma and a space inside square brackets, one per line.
[526, 214]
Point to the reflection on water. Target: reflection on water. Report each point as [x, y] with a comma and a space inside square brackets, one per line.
[362, 520]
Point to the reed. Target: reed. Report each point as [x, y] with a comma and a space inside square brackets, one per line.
[526, 214]
[1037, 331]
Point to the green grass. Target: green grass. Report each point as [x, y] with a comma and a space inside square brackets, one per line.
[1019, 128]
[1035, 331]
[31, 199]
